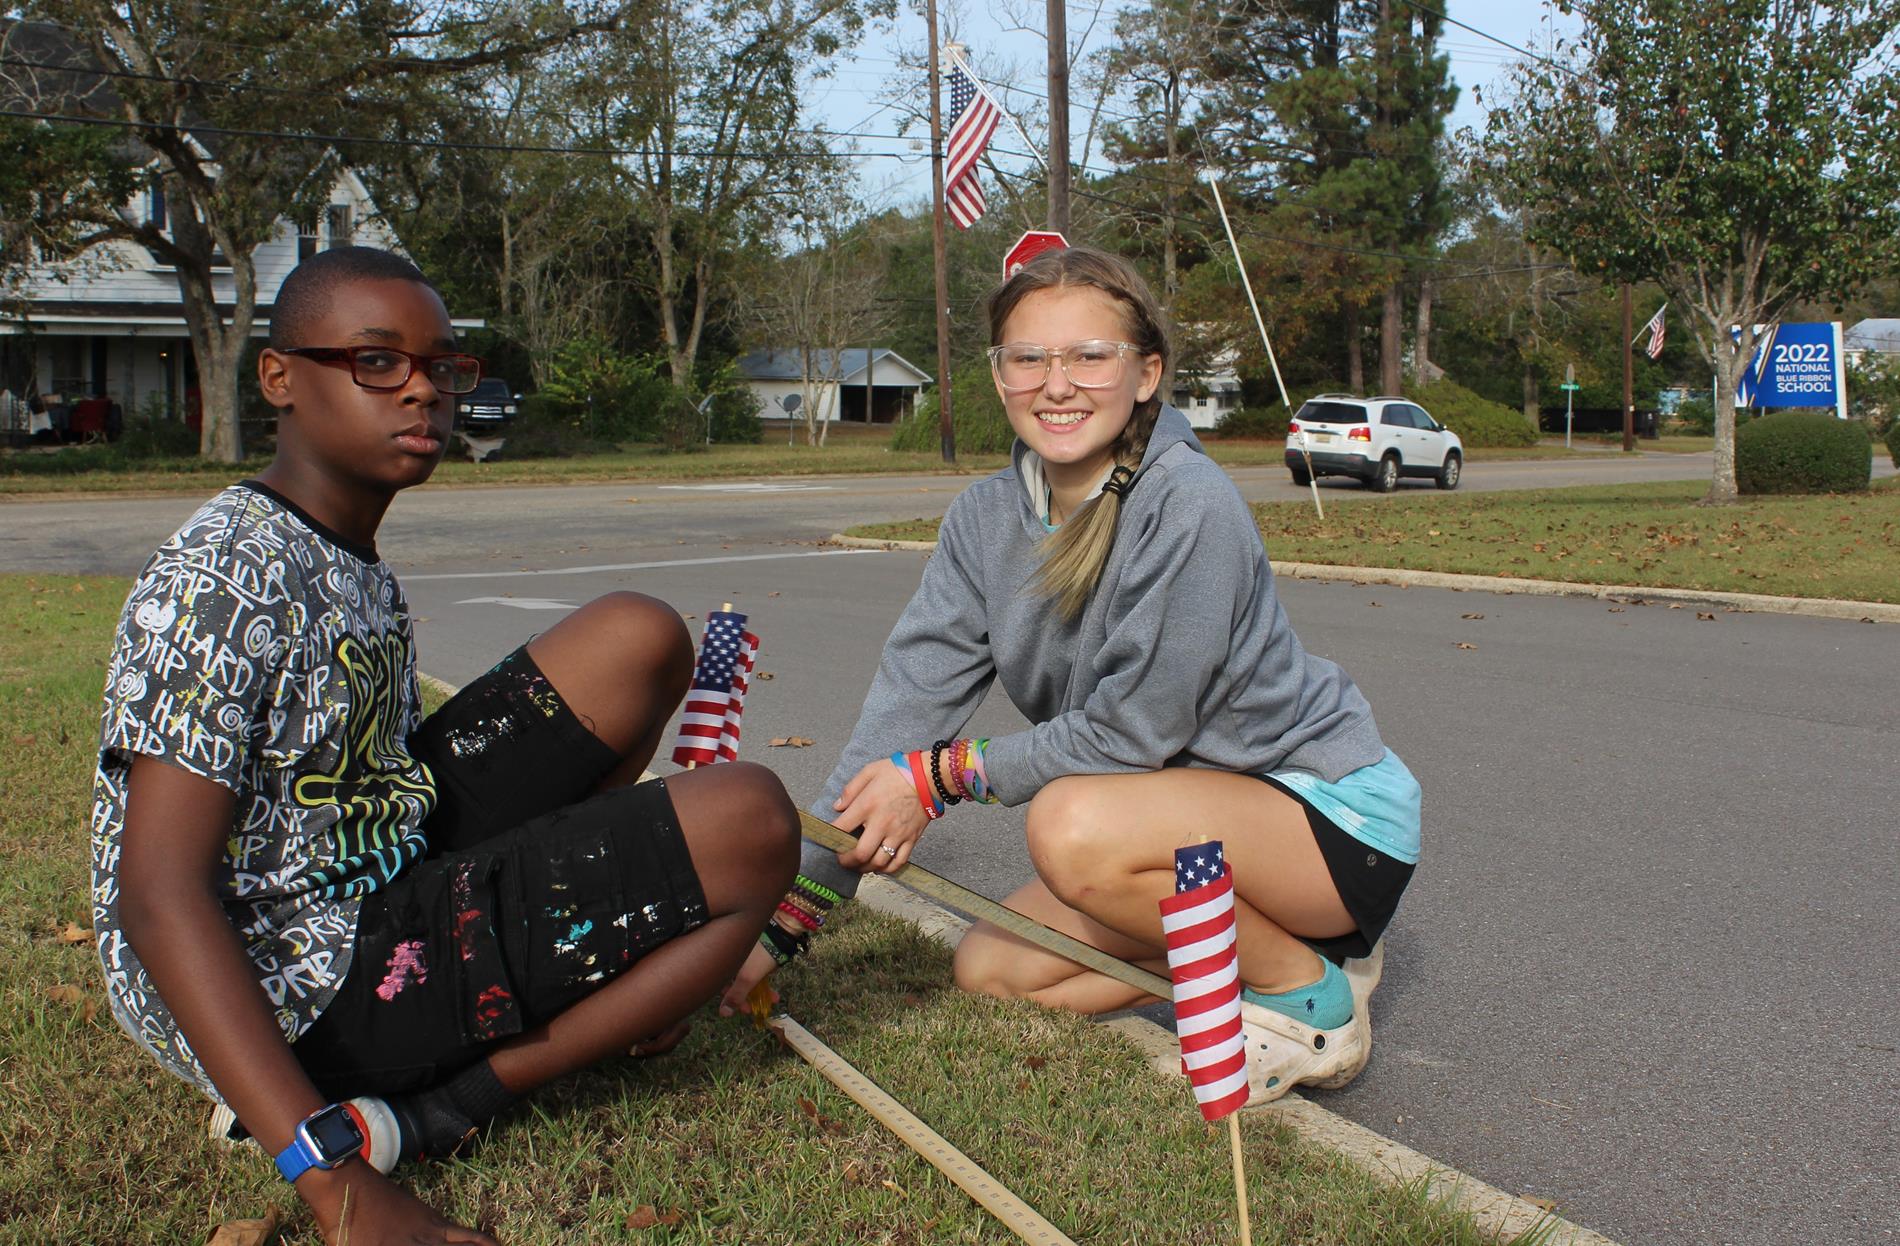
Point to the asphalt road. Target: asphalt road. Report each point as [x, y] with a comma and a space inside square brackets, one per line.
[1647, 965]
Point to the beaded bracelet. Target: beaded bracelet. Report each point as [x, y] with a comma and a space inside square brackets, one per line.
[807, 920]
[936, 773]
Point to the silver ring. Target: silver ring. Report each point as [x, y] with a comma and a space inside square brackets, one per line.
[888, 851]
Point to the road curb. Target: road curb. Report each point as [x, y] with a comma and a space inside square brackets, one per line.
[1503, 1216]
[1752, 603]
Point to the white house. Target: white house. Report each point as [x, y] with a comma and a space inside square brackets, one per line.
[111, 324]
[1880, 337]
[1206, 394]
[874, 386]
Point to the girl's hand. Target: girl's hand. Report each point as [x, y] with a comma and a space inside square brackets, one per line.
[358, 1205]
[883, 800]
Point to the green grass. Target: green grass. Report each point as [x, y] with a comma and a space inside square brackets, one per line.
[732, 1131]
[853, 452]
[1842, 546]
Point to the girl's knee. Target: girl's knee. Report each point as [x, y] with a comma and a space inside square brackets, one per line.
[644, 631]
[980, 967]
[1069, 840]
[763, 818]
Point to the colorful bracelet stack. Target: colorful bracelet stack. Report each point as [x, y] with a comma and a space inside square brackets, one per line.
[951, 772]
[800, 913]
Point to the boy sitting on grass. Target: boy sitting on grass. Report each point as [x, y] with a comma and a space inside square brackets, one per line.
[304, 892]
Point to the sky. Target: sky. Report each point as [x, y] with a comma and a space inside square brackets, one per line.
[857, 98]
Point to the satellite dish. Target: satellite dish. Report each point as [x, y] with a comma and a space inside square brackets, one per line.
[791, 402]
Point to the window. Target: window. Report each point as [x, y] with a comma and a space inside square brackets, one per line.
[1181, 397]
[1226, 399]
[337, 223]
[306, 239]
[155, 204]
[1422, 420]
[1397, 415]
[1322, 412]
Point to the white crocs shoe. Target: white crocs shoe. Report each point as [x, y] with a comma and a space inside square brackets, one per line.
[1283, 1053]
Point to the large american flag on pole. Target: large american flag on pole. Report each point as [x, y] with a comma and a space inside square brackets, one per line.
[973, 118]
[709, 723]
[1655, 330]
[1203, 958]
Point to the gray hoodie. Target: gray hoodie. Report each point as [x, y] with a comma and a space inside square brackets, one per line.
[1182, 657]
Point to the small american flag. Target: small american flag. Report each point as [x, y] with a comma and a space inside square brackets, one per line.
[973, 118]
[1655, 330]
[709, 723]
[1198, 920]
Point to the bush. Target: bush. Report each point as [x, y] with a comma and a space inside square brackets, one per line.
[547, 428]
[607, 396]
[1697, 416]
[735, 415]
[1479, 422]
[1802, 452]
[1269, 424]
[1893, 442]
[152, 434]
[976, 413]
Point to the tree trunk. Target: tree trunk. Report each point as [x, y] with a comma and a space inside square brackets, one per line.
[218, 349]
[1729, 362]
[1391, 339]
[1531, 415]
[1422, 338]
[1355, 352]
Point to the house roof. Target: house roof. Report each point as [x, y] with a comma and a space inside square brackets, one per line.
[773, 364]
[1877, 334]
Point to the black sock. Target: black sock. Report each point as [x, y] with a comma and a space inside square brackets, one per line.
[442, 1120]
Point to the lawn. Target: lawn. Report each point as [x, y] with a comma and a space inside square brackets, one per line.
[1843, 546]
[858, 452]
[732, 1139]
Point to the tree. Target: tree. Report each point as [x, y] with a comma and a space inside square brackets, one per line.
[1738, 153]
[225, 108]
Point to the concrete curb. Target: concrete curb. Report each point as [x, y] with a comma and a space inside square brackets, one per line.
[1502, 1215]
[1755, 603]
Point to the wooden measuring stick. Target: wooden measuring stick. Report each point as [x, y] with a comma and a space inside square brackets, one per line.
[936, 887]
[1021, 1219]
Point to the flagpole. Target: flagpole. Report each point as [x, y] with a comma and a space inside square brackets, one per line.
[1240, 1178]
[947, 434]
[1312, 481]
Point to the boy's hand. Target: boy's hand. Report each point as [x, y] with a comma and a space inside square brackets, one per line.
[358, 1205]
[758, 963]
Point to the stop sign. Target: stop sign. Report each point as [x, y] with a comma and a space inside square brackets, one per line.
[1029, 246]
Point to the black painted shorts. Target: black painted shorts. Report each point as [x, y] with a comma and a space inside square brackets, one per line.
[534, 893]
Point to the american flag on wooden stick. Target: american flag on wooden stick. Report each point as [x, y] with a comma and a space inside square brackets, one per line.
[709, 723]
[973, 118]
[1203, 958]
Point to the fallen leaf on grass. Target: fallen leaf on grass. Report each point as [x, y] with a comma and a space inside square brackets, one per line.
[74, 997]
[24, 741]
[246, 1232]
[1471, 616]
[1035, 1062]
[818, 1118]
[74, 933]
[760, 1002]
[856, 1173]
[646, 1215]
[1464, 645]
[792, 741]
[892, 1185]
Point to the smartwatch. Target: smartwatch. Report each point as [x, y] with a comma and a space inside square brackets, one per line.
[324, 1139]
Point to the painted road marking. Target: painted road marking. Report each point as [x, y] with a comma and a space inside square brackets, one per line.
[635, 566]
[751, 486]
[519, 603]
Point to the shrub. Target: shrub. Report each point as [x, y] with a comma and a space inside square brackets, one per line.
[1269, 423]
[976, 413]
[1479, 422]
[608, 396]
[1893, 442]
[153, 434]
[735, 415]
[1697, 416]
[1801, 452]
[547, 428]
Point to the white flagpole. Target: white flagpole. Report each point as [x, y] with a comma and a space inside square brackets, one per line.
[955, 52]
[1312, 481]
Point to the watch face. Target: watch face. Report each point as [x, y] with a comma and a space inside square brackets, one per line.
[334, 1133]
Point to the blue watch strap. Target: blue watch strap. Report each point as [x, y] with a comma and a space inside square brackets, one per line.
[296, 1159]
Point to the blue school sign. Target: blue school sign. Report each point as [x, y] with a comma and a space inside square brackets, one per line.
[1797, 365]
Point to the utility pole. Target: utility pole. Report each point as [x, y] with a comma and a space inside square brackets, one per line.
[939, 261]
[1058, 117]
[1629, 376]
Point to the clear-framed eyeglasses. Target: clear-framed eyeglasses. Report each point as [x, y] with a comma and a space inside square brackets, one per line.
[385, 368]
[1022, 366]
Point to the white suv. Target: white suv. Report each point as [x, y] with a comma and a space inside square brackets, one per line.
[1374, 440]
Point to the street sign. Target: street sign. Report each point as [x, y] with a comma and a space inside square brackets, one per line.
[1796, 365]
[1570, 386]
[1029, 246]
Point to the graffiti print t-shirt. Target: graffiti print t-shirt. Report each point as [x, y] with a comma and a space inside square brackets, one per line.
[270, 655]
